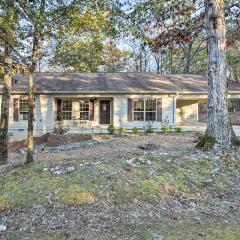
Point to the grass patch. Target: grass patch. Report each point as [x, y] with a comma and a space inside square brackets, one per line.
[49, 238]
[28, 185]
[177, 231]
[75, 195]
[4, 204]
[223, 233]
[159, 187]
[178, 177]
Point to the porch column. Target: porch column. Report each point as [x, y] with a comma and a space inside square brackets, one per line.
[116, 111]
[45, 113]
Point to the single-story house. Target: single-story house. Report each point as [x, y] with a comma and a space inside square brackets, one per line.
[95, 100]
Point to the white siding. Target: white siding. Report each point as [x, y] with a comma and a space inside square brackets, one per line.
[121, 111]
[187, 111]
[45, 112]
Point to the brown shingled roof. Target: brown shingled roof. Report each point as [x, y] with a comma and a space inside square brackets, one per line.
[116, 83]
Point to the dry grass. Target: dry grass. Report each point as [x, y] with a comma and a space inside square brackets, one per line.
[75, 195]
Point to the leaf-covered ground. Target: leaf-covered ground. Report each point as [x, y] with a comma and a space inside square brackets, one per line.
[133, 187]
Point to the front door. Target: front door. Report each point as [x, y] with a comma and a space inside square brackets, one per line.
[105, 111]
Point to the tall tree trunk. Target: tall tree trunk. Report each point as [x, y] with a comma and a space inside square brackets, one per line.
[219, 129]
[140, 61]
[145, 61]
[188, 59]
[161, 64]
[36, 54]
[30, 118]
[8, 72]
[5, 109]
[157, 59]
[171, 60]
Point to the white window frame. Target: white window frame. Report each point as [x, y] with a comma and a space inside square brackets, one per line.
[150, 111]
[133, 110]
[84, 100]
[144, 109]
[66, 111]
[19, 110]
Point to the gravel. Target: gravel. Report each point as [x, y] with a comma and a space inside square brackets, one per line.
[3, 228]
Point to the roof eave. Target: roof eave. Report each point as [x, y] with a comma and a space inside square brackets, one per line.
[98, 92]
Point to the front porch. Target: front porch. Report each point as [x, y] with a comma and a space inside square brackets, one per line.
[86, 114]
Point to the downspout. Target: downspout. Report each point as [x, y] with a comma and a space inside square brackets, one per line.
[173, 108]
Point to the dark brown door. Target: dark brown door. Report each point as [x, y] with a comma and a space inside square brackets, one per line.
[104, 111]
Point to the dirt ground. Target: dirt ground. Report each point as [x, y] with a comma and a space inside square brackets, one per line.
[132, 187]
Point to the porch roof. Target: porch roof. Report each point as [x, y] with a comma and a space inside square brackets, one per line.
[116, 83]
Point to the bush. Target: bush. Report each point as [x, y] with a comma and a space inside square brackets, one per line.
[178, 130]
[135, 130]
[198, 136]
[39, 167]
[122, 131]
[149, 130]
[59, 126]
[166, 129]
[111, 129]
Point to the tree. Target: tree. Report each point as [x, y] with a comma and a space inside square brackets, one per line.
[8, 28]
[114, 59]
[78, 55]
[174, 31]
[37, 26]
[219, 129]
[80, 42]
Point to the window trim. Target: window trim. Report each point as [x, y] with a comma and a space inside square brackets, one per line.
[85, 100]
[144, 109]
[20, 112]
[67, 110]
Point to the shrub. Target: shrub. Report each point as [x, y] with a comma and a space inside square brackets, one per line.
[135, 130]
[39, 167]
[111, 129]
[149, 130]
[178, 130]
[166, 129]
[198, 136]
[59, 126]
[122, 131]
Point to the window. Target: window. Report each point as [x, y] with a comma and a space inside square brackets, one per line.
[150, 110]
[234, 105]
[23, 109]
[67, 110]
[138, 109]
[84, 110]
[144, 110]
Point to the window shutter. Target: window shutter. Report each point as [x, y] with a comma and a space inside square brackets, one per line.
[159, 109]
[91, 110]
[130, 110]
[15, 109]
[59, 106]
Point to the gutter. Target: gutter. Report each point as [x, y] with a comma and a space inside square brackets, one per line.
[98, 92]
[118, 92]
